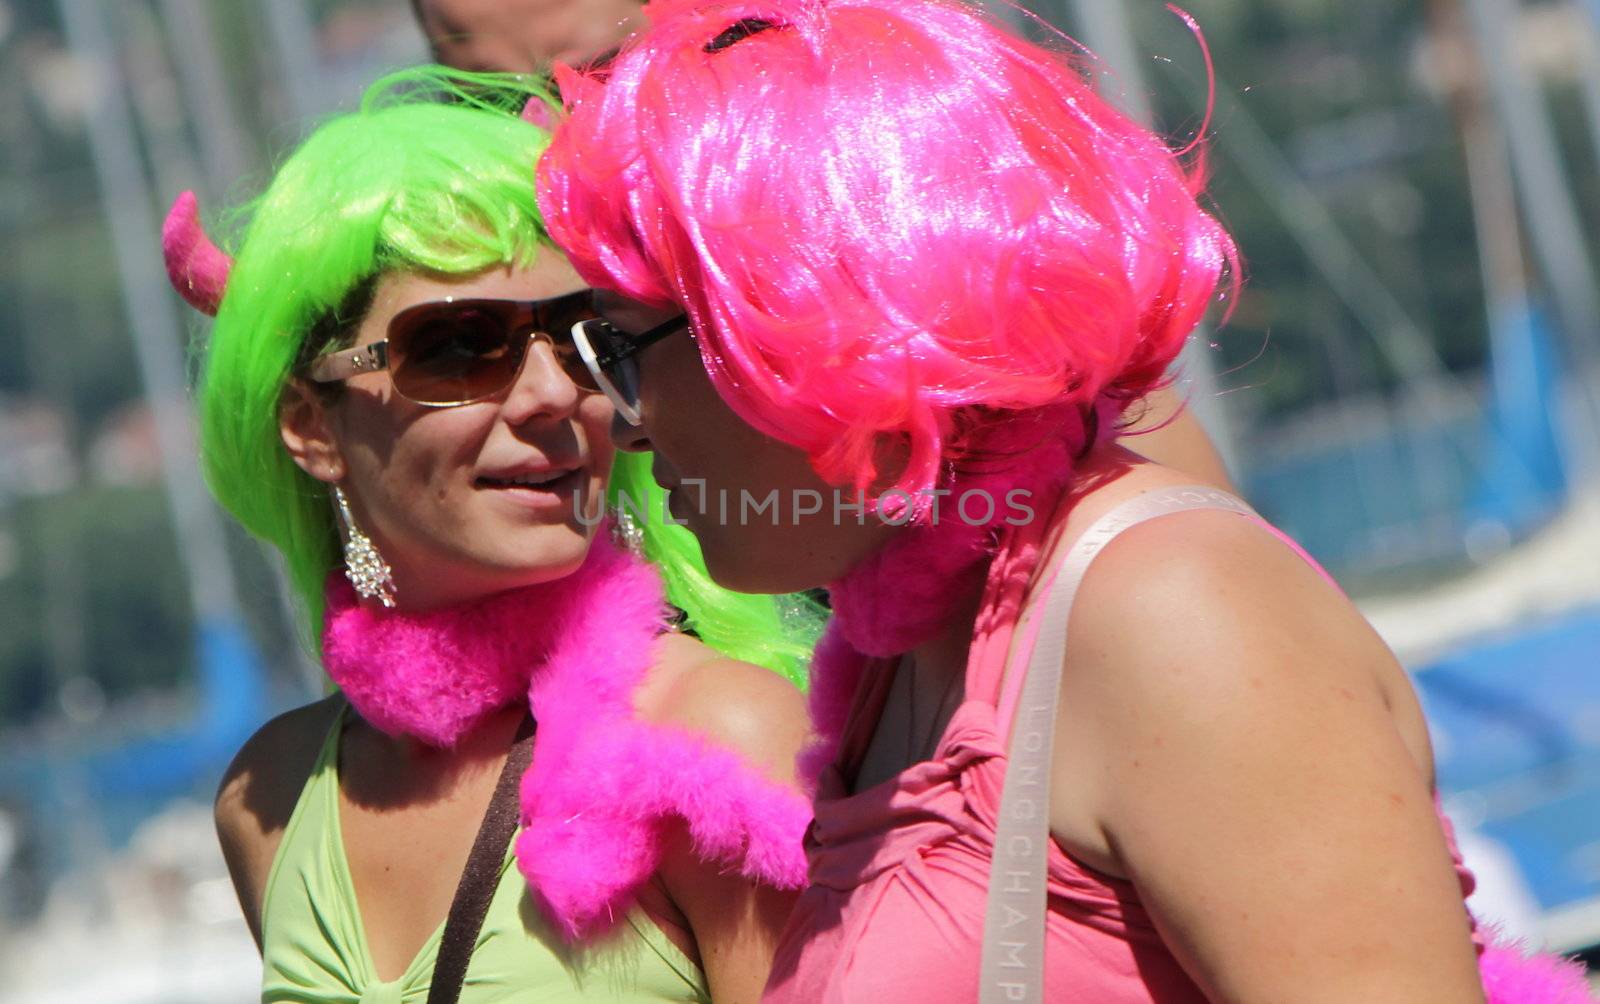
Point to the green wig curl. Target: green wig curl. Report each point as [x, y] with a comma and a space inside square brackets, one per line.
[433, 174]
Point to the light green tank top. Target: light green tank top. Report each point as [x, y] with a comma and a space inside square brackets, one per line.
[314, 948]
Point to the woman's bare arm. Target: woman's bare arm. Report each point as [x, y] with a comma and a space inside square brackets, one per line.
[760, 716]
[1229, 743]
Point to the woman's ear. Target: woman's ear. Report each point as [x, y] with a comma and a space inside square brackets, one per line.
[305, 427]
[891, 455]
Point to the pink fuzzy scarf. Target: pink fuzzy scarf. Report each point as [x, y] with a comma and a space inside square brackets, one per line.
[904, 593]
[1513, 975]
[435, 675]
[1511, 972]
[602, 783]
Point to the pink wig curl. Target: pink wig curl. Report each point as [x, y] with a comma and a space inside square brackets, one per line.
[880, 214]
[196, 267]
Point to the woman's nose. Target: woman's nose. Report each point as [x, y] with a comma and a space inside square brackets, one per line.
[628, 437]
[542, 390]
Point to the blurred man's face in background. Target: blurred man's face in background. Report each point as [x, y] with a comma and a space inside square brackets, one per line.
[523, 36]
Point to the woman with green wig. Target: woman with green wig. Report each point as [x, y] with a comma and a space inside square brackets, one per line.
[545, 775]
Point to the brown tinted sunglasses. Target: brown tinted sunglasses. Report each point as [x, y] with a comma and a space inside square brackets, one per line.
[448, 352]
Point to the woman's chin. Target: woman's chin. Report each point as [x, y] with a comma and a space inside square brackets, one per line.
[526, 556]
[732, 568]
[552, 551]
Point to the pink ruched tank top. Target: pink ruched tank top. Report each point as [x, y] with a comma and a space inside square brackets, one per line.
[899, 872]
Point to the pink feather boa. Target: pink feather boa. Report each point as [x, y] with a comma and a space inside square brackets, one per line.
[904, 593]
[602, 784]
[1514, 976]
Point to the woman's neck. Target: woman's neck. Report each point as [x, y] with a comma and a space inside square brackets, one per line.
[944, 655]
[484, 741]
[390, 772]
[936, 686]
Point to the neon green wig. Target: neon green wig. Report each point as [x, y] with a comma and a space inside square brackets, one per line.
[409, 182]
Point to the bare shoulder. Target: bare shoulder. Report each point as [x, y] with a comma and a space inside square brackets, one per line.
[747, 708]
[259, 791]
[1219, 595]
[262, 784]
[1202, 637]
[1235, 738]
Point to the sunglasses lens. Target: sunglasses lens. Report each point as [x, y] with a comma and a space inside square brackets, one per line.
[457, 351]
[454, 352]
[556, 321]
[596, 339]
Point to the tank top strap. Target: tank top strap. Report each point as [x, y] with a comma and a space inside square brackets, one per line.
[1067, 574]
[328, 756]
[323, 783]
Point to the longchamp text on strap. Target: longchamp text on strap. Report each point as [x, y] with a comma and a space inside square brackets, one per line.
[481, 876]
[1014, 926]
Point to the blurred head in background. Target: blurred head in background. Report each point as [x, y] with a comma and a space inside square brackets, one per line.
[523, 36]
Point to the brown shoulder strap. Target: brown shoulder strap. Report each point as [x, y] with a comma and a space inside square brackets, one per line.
[481, 876]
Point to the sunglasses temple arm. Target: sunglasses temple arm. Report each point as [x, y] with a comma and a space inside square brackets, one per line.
[644, 340]
[335, 366]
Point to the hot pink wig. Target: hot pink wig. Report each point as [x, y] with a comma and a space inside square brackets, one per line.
[880, 214]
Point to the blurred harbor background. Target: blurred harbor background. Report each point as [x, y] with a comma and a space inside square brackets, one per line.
[1409, 384]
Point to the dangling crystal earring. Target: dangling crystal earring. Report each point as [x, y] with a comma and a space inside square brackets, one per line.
[626, 532]
[363, 565]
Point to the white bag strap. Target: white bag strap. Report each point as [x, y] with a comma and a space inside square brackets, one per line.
[1014, 926]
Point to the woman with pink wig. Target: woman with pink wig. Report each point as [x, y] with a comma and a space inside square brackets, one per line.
[885, 280]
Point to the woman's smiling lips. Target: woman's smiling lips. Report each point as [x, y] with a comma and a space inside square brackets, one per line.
[540, 488]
